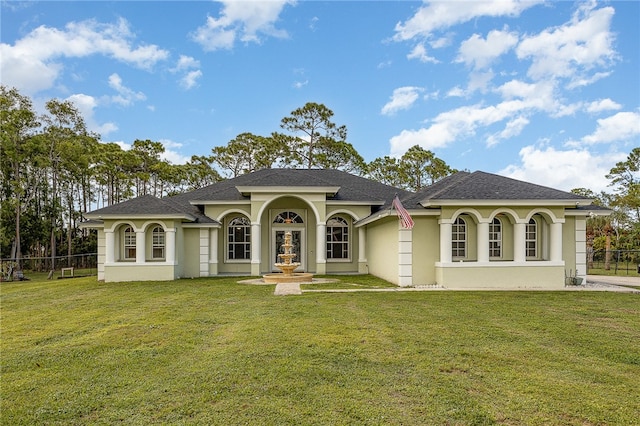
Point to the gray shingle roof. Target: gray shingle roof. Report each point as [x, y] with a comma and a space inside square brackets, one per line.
[149, 205]
[487, 186]
[352, 188]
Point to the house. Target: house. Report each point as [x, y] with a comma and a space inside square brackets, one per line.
[472, 230]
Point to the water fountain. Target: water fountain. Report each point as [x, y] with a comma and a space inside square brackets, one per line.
[287, 266]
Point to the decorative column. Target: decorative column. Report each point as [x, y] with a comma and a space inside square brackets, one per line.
[204, 252]
[445, 242]
[405, 257]
[519, 249]
[362, 250]
[170, 246]
[213, 250]
[483, 241]
[140, 247]
[555, 254]
[110, 247]
[321, 248]
[256, 246]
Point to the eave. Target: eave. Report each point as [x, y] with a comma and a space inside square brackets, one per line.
[504, 203]
[133, 216]
[247, 190]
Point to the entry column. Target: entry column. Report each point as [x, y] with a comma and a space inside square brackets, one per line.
[445, 242]
[321, 248]
[255, 248]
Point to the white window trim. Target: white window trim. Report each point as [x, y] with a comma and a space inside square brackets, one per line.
[348, 259]
[465, 239]
[226, 240]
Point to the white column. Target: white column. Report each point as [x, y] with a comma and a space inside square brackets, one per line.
[321, 248]
[362, 244]
[362, 250]
[110, 247]
[445, 242]
[405, 257]
[256, 246]
[213, 245]
[170, 245]
[483, 241]
[140, 247]
[519, 249]
[556, 242]
[204, 252]
[213, 250]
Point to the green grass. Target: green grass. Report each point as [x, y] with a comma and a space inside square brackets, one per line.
[211, 351]
[348, 282]
[612, 272]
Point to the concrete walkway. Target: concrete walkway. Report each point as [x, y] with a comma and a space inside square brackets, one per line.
[285, 289]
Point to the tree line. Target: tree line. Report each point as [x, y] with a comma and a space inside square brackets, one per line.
[53, 170]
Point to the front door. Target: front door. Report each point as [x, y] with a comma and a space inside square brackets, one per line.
[297, 241]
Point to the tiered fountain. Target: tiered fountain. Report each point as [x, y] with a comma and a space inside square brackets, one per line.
[287, 266]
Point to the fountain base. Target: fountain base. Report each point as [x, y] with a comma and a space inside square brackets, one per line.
[295, 277]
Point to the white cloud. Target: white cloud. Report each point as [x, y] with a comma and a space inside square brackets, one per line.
[300, 84]
[439, 15]
[125, 95]
[190, 79]
[419, 52]
[565, 170]
[86, 105]
[32, 63]
[171, 154]
[480, 53]
[513, 128]
[602, 105]
[241, 20]
[572, 49]
[190, 69]
[401, 99]
[186, 63]
[622, 127]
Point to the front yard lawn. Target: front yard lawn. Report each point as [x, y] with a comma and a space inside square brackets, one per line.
[212, 351]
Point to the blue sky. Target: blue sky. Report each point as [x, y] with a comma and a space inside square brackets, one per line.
[543, 91]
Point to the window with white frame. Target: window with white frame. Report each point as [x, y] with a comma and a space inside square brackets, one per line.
[239, 239]
[495, 238]
[531, 239]
[129, 240]
[337, 238]
[288, 217]
[459, 239]
[157, 243]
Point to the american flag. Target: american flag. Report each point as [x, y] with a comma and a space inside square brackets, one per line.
[403, 214]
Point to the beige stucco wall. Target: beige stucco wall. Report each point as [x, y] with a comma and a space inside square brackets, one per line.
[382, 249]
[129, 271]
[101, 254]
[426, 249]
[191, 249]
[538, 275]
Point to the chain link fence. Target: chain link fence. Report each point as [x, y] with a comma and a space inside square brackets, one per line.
[618, 262]
[75, 265]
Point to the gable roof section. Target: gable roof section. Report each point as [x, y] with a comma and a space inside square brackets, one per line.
[479, 187]
[351, 188]
[150, 206]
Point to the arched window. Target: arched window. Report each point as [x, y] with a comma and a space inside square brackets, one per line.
[495, 238]
[459, 239]
[531, 239]
[129, 240]
[337, 238]
[239, 239]
[288, 217]
[157, 243]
